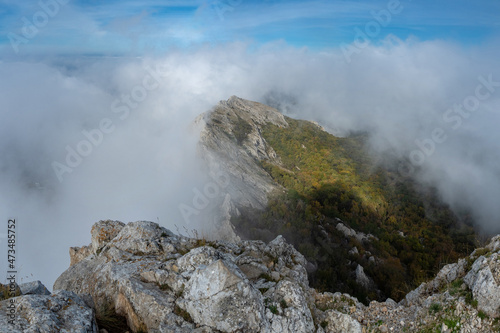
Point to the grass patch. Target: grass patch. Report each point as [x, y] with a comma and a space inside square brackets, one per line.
[455, 287]
[469, 299]
[434, 308]
[452, 323]
[481, 252]
[481, 314]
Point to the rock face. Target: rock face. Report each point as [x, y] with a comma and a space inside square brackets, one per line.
[33, 288]
[231, 144]
[161, 282]
[484, 281]
[62, 311]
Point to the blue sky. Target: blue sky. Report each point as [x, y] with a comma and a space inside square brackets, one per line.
[153, 26]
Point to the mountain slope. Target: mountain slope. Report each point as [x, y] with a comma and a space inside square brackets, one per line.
[290, 177]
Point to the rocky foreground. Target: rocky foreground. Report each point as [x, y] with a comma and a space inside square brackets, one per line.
[160, 282]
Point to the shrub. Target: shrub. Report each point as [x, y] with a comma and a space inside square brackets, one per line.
[434, 308]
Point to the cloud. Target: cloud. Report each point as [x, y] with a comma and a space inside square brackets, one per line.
[147, 166]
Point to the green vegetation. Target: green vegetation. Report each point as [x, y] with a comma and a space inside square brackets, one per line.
[328, 178]
[481, 314]
[453, 324]
[241, 129]
[434, 308]
[469, 299]
[455, 287]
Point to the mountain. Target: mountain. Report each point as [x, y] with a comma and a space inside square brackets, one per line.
[308, 233]
[141, 277]
[334, 200]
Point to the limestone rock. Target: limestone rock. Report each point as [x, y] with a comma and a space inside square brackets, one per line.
[77, 254]
[485, 285]
[62, 311]
[361, 278]
[341, 322]
[33, 288]
[219, 296]
[104, 231]
[161, 282]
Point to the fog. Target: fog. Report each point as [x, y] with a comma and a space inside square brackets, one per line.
[129, 120]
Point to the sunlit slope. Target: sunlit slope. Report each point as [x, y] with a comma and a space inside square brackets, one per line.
[327, 177]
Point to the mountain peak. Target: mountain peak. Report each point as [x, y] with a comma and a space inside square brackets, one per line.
[253, 112]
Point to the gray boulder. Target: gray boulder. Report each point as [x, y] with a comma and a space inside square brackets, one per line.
[62, 311]
[484, 281]
[33, 288]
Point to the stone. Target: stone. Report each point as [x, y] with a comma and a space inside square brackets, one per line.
[218, 287]
[104, 231]
[62, 311]
[161, 282]
[361, 277]
[33, 288]
[340, 322]
[77, 254]
[484, 285]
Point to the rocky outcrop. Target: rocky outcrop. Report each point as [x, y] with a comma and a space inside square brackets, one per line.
[484, 281]
[161, 282]
[231, 144]
[33, 288]
[349, 232]
[62, 311]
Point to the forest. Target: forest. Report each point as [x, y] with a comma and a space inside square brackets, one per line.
[328, 178]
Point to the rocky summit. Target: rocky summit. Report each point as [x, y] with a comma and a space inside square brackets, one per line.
[141, 277]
